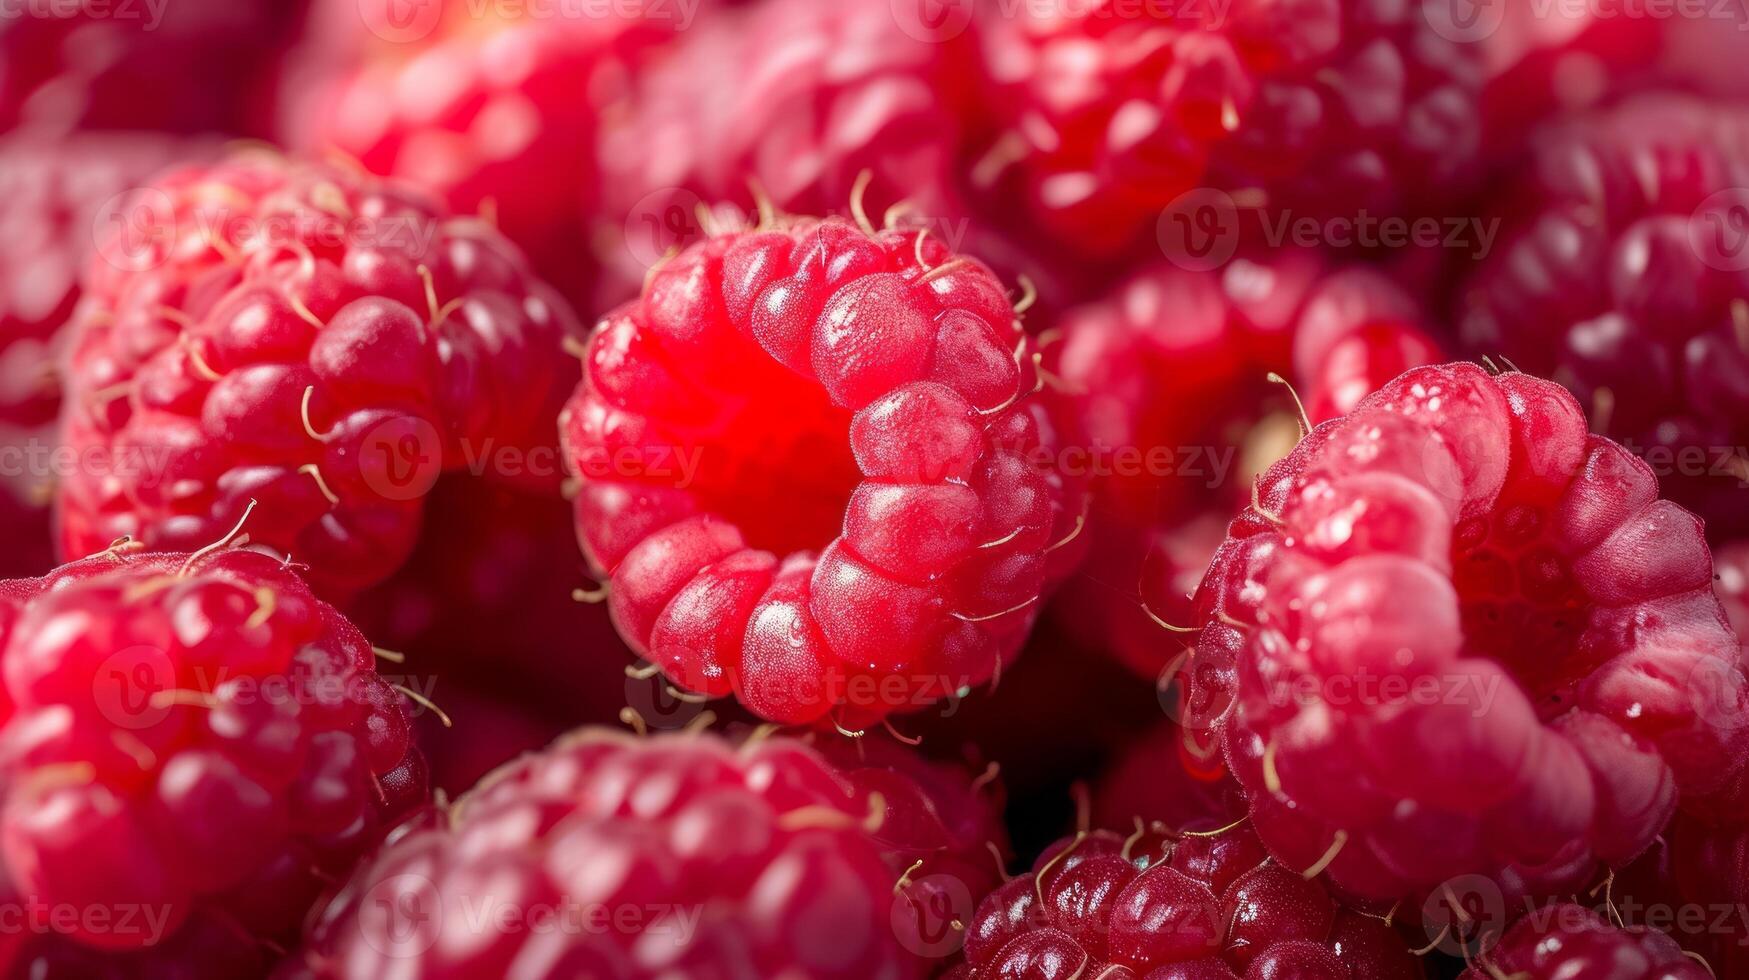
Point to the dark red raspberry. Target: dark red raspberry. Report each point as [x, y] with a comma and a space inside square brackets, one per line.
[1626, 278]
[53, 193]
[1168, 379]
[814, 470]
[193, 746]
[1568, 941]
[315, 340]
[680, 855]
[1731, 562]
[496, 116]
[1325, 107]
[192, 66]
[1458, 635]
[1208, 904]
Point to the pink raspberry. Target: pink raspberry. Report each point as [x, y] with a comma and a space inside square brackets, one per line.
[192, 66]
[1457, 635]
[1323, 107]
[1569, 941]
[814, 472]
[1624, 278]
[684, 855]
[497, 116]
[317, 341]
[1200, 905]
[192, 746]
[53, 192]
[1168, 382]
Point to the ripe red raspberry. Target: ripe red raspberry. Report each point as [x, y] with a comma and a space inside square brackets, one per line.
[813, 467]
[1202, 905]
[1168, 381]
[193, 745]
[1624, 279]
[52, 194]
[1457, 635]
[1731, 562]
[1567, 941]
[1326, 107]
[680, 855]
[67, 66]
[320, 342]
[496, 117]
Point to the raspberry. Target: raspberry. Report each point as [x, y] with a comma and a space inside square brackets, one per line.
[810, 465]
[1457, 635]
[51, 193]
[689, 856]
[1732, 564]
[1168, 377]
[194, 738]
[1570, 941]
[498, 118]
[118, 66]
[1203, 904]
[1327, 107]
[317, 341]
[1621, 279]
[794, 99]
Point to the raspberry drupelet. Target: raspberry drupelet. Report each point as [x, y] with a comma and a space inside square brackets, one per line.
[195, 738]
[1622, 273]
[690, 855]
[313, 339]
[1324, 108]
[1567, 941]
[816, 473]
[1455, 634]
[1205, 904]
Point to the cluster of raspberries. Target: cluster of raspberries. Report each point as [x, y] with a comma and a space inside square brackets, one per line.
[606, 490]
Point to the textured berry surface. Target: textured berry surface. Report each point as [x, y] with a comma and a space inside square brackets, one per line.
[193, 745]
[52, 192]
[316, 341]
[1114, 110]
[1167, 378]
[1568, 941]
[495, 115]
[810, 462]
[795, 98]
[127, 66]
[1626, 277]
[1164, 905]
[1459, 635]
[709, 859]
